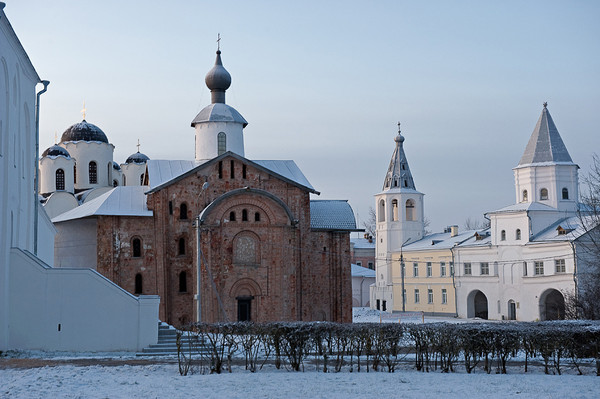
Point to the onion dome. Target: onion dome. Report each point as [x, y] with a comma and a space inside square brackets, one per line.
[56, 151]
[138, 158]
[84, 131]
[218, 80]
[116, 166]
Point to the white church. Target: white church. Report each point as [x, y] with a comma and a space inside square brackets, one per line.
[521, 267]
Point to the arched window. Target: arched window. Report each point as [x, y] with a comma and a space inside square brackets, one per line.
[75, 173]
[565, 193]
[183, 282]
[525, 196]
[136, 247]
[244, 215]
[394, 210]
[381, 211]
[138, 284]
[183, 211]
[232, 216]
[60, 179]
[142, 179]
[544, 194]
[257, 216]
[410, 210]
[93, 173]
[181, 246]
[221, 143]
[503, 235]
[518, 234]
[109, 171]
[115, 183]
[124, 180]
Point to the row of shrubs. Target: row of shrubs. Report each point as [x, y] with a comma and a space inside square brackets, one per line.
[381, 347]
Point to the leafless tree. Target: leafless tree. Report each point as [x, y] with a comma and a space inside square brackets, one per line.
[472, 224]
[371, 223]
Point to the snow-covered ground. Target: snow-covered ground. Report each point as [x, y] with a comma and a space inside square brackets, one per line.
[117, 375]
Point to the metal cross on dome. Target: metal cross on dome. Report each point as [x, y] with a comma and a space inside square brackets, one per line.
[398, 127]
[138, 145]
[83, 110]
[218, 42]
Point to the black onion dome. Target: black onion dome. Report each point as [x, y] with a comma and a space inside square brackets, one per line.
[55, 151]
[138, 157]
[116, 166]
[84, 131]
[218, 78]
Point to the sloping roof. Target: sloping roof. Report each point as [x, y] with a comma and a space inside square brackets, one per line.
[485, 239]
[219, 112]
[439, 241]
[524, 206]
[359, 271]
[362, 243]
[120, 201]
[331, 215]
[545, 143]
[398, 175]
[163, 173]
[573, 225]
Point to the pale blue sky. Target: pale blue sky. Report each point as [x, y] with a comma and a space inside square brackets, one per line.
[325, 82]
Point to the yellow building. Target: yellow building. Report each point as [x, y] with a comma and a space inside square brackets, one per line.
[428, 278]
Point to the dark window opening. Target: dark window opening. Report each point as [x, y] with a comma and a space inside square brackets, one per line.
[232, 170]
[257, 217]
[170, 207]
[60, 179]
[181, 246]
[142, 179]
[136, 245]
[138, 283]
[232, 216]
[183, 212]
[378, 305]
[244, 215]
[75, 173]
[183, 282]
[384, 306]
[220, 169]
[565, 194]
[115, 183]
[93, 173]
[243, 171]
[244, 308]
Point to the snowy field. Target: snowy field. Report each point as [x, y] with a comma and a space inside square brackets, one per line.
[119, 375]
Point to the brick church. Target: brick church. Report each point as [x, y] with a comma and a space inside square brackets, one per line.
[266, 251]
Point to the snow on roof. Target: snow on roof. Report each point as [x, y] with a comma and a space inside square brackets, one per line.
[362, 243]
[287, 169]
[524, 206]
[331, 215]
[567, 229]
[161, 171]
[359, 271]
[439, 241]
[478, 239]
[120, 201]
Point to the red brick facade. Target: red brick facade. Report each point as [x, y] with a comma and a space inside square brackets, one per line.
[259, 253]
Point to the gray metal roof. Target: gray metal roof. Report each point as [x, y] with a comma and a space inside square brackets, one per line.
[398, 175]
[219, 112]
[522, 207]
[439, 241]
[362, 243]
[360, 271]
[331, 215]
[161, 171]
[545, 143]
[286, 168]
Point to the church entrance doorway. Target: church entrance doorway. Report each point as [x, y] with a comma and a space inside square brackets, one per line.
[244, 308]
[512, 310]
[477, 305]
[552, 305]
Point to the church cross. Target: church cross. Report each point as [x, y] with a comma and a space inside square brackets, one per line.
[138, 145]
[83, 110]
[218, 42]
[398, 127]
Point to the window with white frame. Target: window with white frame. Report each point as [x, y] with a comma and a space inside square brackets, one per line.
[417, 296]
[429, 296]
[539, 268]
[443, 269]
[559, 265]
[484, 268]
[468, 269]
[415, 269]
[429, 271]
[444, 296]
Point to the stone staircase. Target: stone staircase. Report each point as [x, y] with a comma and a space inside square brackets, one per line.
[167, 343]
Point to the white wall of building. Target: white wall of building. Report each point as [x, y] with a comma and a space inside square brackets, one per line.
[60, 202]
[360, 290]
[48, 167]
[75, 310]
[207, 143]
[76, 243]
[133, 172]
[85, 152]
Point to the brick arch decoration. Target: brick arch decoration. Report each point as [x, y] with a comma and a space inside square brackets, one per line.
[225, 199]
[245, 287]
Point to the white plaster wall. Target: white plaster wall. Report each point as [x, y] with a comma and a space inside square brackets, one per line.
[361, 291]
[86, 151]
[59, 203]
[132, 173]
[75, 244]
[96, 192]
[206, 139]
[48, 168]
[76, 310]
[46, 233]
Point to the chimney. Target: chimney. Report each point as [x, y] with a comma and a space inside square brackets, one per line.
[453, 231]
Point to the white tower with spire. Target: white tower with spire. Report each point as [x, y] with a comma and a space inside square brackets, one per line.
[400, 220]
[219, 127]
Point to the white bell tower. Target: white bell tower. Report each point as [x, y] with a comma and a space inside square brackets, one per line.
[400, 220]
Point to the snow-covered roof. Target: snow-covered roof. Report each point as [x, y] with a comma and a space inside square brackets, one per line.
[120, 201]
[219, 112]
[478, 239]
[362, 243]
[524, 206]
[163, 172]
[439, 241]
[331, 215]
[573, 227]
[359, 271]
